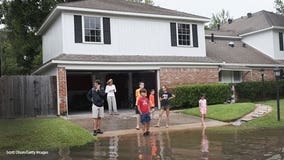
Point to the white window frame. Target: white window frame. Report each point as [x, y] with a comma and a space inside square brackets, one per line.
[232, 77]
[83, 29]
[191, 35]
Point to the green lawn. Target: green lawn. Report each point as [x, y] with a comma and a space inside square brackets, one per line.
[224, 112]
[270, 120]
[41, 133]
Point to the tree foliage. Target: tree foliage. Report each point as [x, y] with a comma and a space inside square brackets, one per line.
[279, 5]
[150, 2]
[219, 18]
[20, 46]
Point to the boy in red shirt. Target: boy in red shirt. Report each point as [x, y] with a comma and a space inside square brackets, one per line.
[144, 110]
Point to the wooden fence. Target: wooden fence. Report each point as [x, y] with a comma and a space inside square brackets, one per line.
[27, 96]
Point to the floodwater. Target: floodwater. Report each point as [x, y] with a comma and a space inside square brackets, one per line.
[206, 144]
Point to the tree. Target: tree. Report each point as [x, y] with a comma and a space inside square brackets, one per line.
[150, 2]
[219, 19]
[279, 5]
[21, 47]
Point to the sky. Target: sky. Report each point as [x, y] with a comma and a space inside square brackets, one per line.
[236, 8]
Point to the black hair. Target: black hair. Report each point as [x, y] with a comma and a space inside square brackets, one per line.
[143, 90]
[97, 81]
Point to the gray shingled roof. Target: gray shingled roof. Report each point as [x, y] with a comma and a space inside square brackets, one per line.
[125, 6]
[133, 58]
[220, 33]
[259, 20]
[221, 51]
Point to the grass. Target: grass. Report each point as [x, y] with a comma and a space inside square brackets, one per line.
[270, 120]
[224, 112]
[41, 133]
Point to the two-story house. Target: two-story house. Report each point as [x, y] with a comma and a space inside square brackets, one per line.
[246, 45]
[128, 42]
[131, 42]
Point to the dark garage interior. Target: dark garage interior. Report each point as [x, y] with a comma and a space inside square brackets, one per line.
[126, 82]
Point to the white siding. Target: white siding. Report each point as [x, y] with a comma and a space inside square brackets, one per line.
[132, 36]
[52, 40]
[262, 41]
[279, 55]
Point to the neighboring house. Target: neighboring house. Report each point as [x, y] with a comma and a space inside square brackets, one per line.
[130, 42]
[246, 45]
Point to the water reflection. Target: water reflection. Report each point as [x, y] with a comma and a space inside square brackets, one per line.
[204, 145]
[64, 153]
[155, 146]
[266, 144]
[113, 148]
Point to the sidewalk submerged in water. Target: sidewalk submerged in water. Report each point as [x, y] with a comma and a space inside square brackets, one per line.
[125, 123]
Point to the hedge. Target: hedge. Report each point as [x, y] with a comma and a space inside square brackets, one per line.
[252, 91]
[187, 96]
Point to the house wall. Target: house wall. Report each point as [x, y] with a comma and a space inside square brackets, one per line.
[188, 75]
[52, 44]
[132, 36]
[262, 41]
[279, 55]
[255, 75]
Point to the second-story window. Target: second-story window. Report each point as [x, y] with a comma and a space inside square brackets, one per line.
[92, 29]
[184, 33]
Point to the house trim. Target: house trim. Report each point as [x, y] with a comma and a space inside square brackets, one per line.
[151, 65]
[58, 9]
[261, 30]
[226, 37]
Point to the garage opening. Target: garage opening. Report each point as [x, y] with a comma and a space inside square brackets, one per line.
[126, 82]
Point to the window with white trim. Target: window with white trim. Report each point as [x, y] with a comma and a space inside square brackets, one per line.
[92, 29]
[184, 34]
[230, 76]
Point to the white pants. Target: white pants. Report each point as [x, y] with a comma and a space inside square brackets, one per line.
[97, 112]
[111, 104]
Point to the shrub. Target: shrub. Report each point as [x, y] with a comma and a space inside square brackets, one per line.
[188, 95]
[252, 91]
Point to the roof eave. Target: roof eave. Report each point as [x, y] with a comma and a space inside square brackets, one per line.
[261, 30]
[58, 9]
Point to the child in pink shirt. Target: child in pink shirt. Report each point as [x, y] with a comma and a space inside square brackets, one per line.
[203, 109]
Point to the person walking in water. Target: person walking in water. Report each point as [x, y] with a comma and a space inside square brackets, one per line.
[138, 95]
[203, 109]
[111, 101]
[165, 104]
[96, 96]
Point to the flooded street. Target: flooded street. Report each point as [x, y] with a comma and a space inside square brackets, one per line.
[206, 144]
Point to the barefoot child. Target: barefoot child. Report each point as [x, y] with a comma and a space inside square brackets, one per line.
[165, 106]
[137, 95]
[152, 102]
[144, 110]
[203, 109]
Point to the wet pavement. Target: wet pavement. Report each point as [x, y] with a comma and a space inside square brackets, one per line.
[125, 122]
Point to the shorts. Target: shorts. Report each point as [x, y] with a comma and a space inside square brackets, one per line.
[165, 107]
[203, 110]
[136, 110]
[97, 112]
[145, 118]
